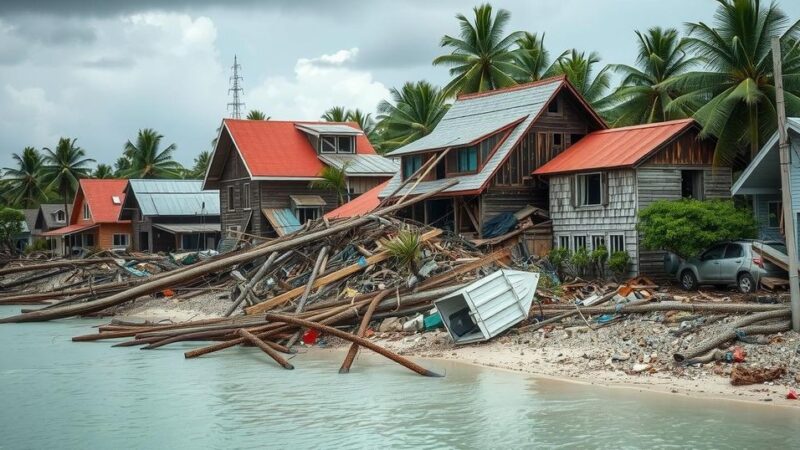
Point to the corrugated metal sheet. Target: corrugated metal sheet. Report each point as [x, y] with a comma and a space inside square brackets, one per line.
[614, 148]
[283, 221]
[332, 128]
[362, 165]
[174, 198]
[189, 227]
[363, 204]
[304, 200]
[493, 304]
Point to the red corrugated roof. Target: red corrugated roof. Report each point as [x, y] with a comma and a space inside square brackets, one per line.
[70, 229]
[98, 194]
[364, 204]
[613, 148]
[272, 148]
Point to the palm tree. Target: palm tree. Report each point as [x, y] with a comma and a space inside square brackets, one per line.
[734, 98]
[147, 160]
[641, 98]
[201, 162]
[121, 166]
[416, 110]
[64, 167]
[103, 172]
[26, 183]
[255, 114]
[364, 120]
[579, 70]
[335, 114]
[481, 58]
[533, 59]
[333, 179]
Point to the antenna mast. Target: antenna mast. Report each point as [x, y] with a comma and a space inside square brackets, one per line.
[236, 90]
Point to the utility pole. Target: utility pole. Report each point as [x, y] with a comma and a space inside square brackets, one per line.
[236, 90]
[786, 193]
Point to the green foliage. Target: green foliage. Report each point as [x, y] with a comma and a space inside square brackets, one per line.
[38, 245]
[557, 257]
[255, 114]
[146, 158]
[103, 171]
[26, 183]
[333, 179]
[406, 249]
[580, 261]
[416, 110]
[618, 262]
[64, 167]
[481, 58]
[10, 225]
[201, 162]
[335, 114]
[686, 227]
[533, 58]
[580, 71]
[599, 256]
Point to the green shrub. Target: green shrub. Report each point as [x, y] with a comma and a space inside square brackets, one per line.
[618, 262]
[686, 227]
[406, 249]
[10, 225]
[580, 260]
[557, 257]
[39, 245]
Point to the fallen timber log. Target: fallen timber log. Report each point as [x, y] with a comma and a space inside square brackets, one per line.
[189, 273]
[362, 329]
[670, 306]
[67, 263]
[265, 348]
[351, 338]
[730, 333]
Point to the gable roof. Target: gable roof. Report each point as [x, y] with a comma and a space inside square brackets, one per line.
[30, 218]
[762, 176]
[515, 108]
[170, 198]
[615, 148]
[363, 204]
[98, 194]
[45, 218]
[273, 149]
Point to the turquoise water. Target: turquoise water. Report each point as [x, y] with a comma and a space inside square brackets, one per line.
[59, 394]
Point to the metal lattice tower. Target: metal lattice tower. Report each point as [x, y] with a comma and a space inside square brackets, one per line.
[236, 106]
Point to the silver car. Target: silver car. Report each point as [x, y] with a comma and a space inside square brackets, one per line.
[729, 263]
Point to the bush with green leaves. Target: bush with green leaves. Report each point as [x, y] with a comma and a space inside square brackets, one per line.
[406, 249]
[557, 257]
[39, 245]
[580, 261]
[10, 225]
[618, 262]
[687, 227]
[599, 256]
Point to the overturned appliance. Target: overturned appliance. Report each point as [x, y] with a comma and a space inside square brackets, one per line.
[488, 306]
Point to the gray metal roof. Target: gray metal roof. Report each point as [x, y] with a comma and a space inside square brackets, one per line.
[760, 175]
[49, 211]
[328, 128]
[502, 107]
[189, 227]
[471, 118]
[362, 165]
[174, 197]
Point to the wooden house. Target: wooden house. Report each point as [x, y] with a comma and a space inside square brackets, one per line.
[171, 215]
[52, 216]
[95, 221]
[761, 182]
[264, 170]
[493, 140]
[598, 186]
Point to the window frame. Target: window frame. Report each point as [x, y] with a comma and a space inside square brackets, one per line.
[127, 239]
[559, 110]
[63, 216]
[466, 152]
[564, 238]
[410, 159]
[594, 238]
[231, 206]
[777, 215]
[579, 191]
[352, 146]
[576, 238]
[297, 213]
[190, 236]
[612, 248]
[87, 214]
[322, 140]
[246, 196]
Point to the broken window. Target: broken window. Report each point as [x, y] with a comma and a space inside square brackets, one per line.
[589, 189]
[692, 184]
[774, 214]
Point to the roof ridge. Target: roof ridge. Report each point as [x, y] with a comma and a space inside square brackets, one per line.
[646, 125]
[318, 122]
[516, 87]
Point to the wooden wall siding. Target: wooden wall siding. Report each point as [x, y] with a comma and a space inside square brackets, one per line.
[717, 182]
[761, 213]
[234, 167]
[275, 194]
[687, 149]
[235, 215]
[497, 200]
[106, 232]
[618, 217]
[359, 185]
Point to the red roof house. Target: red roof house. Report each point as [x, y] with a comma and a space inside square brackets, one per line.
[363, 204]
[94, 221]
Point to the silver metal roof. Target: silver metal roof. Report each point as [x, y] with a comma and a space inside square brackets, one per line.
[474, 117]
[362, 165]
[760, 175]
[189, 227]
[328, 128]
[174, 197]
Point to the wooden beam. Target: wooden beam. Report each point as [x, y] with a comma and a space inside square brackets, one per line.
[464, 268]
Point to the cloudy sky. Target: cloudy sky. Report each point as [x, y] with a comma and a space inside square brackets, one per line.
[99, 70]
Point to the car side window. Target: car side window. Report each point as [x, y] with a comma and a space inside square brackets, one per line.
[733, 251]
[715, 252]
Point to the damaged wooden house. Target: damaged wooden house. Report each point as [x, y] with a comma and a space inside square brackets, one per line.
[598, 185]
[490, 143]
[265, 169]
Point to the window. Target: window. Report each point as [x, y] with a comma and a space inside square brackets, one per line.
[116, 200]
[557, 139]
[86, 215]
[246, 196]
[563, 242]
[61, 216]
[598, 240]
[190, 241]
[411, 164]
[88, 240]
[617, 242]
[467, 160]
[774, 214]
[306, 214]
[328, 144]
[580, 242]
[344, 144]
[716, 252]
[590, 189]
[120, 240]
[733, 251]
[230, 199]
[337, 144]
[233, 230]
[692, 184]
[554, 107]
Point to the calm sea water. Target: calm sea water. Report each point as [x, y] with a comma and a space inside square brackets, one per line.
[59, 394]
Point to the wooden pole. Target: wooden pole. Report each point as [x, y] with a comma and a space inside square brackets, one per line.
[362, 329]
[309, 285]
[253, 281]
[786, 190]
[424, 174]
[265, 348]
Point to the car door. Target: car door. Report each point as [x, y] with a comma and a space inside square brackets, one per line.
[731, 262]
[708, 269]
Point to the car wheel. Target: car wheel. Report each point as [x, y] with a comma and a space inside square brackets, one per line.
[746, 283]
[688, 280]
